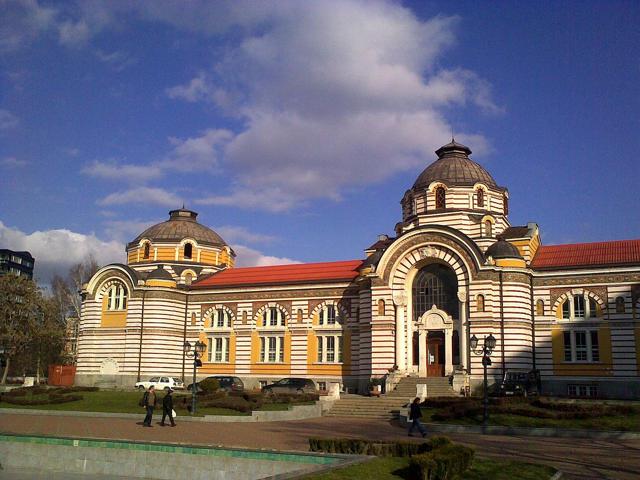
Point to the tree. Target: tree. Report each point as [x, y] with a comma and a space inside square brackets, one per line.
[19, 314]
[66, 293]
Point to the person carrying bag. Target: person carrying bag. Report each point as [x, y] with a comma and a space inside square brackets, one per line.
[167, 408]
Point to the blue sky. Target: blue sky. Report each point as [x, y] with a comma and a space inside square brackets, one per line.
[294, 128]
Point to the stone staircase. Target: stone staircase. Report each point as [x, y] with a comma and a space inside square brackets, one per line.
[389, 405]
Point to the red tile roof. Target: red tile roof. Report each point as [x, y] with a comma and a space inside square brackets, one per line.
[597, 254]
[283, 274]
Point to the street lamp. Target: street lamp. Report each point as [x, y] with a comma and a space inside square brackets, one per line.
[484, 350]
[198, 349]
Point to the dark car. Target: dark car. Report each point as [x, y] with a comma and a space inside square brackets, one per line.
[520, 383]
[290, 385]
[227, 383]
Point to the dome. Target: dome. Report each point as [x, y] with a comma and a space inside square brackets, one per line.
[454, 167]
[181, 224]
[503, 249]
[160, 274]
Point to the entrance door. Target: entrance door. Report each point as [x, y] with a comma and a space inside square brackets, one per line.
[435, 354]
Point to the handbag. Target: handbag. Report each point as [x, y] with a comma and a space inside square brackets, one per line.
[173, 414]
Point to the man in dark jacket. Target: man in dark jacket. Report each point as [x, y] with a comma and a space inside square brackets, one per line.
[414, 415]
[149, 403]
[167, 408]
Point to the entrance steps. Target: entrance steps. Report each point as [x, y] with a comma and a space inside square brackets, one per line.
[389, 405]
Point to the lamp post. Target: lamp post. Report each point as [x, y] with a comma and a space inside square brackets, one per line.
[484, 350]
[198, 349]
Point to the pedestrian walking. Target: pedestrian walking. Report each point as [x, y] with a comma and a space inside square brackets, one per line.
[149, 402]
[167, 408]
[415, 413]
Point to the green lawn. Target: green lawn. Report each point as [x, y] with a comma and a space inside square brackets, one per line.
[611, 422]
[118, 401]
[396, 468]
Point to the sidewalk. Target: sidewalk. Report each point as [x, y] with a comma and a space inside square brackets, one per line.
[578, 458]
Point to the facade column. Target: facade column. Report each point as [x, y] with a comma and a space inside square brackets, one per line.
[409, 341]
[462, 333]
[400, 300]
[448, 352]
[422, 363]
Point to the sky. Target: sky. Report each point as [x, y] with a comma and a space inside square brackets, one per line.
[294, 128]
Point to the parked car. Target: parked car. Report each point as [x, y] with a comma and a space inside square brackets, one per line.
[227, 383]
[162, 383]
[520, 383]
[290, 385]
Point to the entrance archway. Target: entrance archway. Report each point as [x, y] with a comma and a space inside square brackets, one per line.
[435, 348]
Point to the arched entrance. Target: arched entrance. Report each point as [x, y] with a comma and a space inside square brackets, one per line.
[434, 306]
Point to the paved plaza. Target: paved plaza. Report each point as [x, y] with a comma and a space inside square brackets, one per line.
[578, 458]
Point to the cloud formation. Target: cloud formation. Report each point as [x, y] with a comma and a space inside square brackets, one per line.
[7, 120]
[13, 162]
[141, 196]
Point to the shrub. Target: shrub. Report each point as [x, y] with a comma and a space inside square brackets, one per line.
[234, 403]
[209, 385]
[443, 463]
[291, 398]
[378, 448]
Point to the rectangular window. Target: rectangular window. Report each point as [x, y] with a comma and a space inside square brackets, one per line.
[331, 349]
[218, 349]
[320, 351]
[578, 306]
[595, 348]
[281, 349]
[340, 345]
[273, 316]
[322, 386]
[273, 349]
[567, 347]
[581, 346]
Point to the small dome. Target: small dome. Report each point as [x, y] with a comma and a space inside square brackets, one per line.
[181, 224]
[454, 167]
[160, 274]
[503, 249]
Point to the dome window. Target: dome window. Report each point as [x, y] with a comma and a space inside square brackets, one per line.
[147, 248]
[480, 198]
[488, 228]
[188, 250]
[441, 197]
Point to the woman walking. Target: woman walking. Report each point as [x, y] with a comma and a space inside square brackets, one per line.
[415, 414]
[167, 408]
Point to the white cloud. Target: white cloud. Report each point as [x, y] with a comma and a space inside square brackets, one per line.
[73, 34]
[57, 250]
[234, 234]
[332, 95]
[22, 21]
[142, 195]
[126, 230]
[117, 60]
[197, 153]
[7, 120]
[248, 257]
[13, 162]
[111, 170]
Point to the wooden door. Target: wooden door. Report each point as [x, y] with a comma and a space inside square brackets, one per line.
[435, 354]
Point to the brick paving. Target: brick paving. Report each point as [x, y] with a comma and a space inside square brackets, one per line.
[578, 458]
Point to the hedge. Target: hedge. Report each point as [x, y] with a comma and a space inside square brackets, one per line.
[444, 463]
[49, 400]
[360, 446]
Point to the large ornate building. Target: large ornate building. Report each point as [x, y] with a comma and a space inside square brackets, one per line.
[454, 269]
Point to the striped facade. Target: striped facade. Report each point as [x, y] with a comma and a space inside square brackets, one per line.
[455, 269]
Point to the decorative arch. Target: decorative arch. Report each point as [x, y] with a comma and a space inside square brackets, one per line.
[218, 316]
[116, 293]
[480, 305]
[263, 316]
[180, 249]
[481, 195]
[107, 273]
[540, 307]
[341, 316]
[568, 297]
[184, 276]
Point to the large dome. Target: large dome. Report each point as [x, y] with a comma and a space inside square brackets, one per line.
[454, 167]
[181, 224]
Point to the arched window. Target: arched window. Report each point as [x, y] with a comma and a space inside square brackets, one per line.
[441, 197]
[147, 248]
[620, 305]
[274, 317]
[480, 303]
[488, 228]
[579, 307]
[299, 315]
[436, 285]
[188, 279]
[193, 318]
[221, 318]
[505, 204]
[539, 308]
[480, 198]
[117, 297]
[328, 315]
[381, 306]
[188, 250]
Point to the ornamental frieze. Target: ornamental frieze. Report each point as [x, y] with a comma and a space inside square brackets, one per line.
[555, 293]
[274, 295]
[582, 279]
